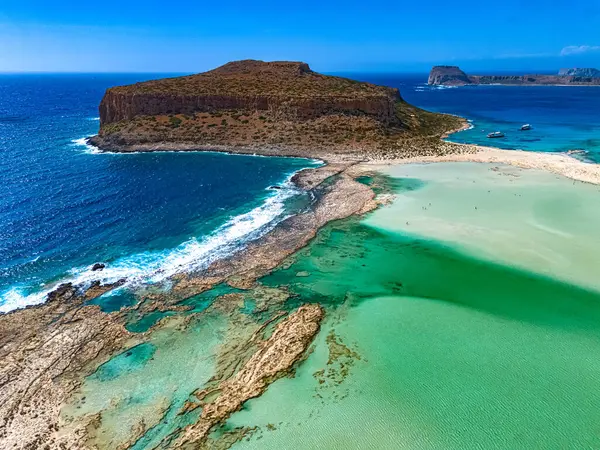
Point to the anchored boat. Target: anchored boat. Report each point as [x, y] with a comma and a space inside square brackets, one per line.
[496, 134]
[526, 127]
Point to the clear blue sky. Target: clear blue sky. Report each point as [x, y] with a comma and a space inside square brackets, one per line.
[192, 36]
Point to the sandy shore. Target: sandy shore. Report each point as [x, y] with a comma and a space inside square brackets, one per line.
[560, 164]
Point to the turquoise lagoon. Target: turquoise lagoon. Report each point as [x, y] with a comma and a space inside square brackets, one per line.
[463, 315]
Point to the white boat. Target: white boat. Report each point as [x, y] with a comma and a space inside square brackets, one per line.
[496, 134]
[526, 127]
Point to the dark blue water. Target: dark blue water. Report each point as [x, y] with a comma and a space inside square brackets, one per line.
[563, 117]
[62, 207]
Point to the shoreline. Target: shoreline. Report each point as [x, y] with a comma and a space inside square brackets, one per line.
[557, 163]
[513, 85]
[83, 337]
[181, 147]
[49, 349]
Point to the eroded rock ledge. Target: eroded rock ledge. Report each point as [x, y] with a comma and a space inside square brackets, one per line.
[273, 359]
[45, 351]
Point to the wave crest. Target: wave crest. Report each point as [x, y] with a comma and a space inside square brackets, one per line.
[157, 266]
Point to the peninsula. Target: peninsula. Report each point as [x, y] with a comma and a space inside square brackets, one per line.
[61, 360]
[273, 108]
[454, 76]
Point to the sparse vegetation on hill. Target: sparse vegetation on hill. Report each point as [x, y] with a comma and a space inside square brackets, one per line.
[275, 108]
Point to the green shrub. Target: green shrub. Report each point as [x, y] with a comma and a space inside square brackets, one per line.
[175, 121]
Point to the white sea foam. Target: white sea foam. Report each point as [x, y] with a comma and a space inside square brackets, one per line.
[194, 254]
[15, 298]
[440, 86]
[428, 87]
[82, 143]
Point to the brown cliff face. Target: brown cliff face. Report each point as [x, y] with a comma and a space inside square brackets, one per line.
[288, 90]
[116, 106]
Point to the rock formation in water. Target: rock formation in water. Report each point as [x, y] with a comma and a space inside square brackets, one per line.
[274, 358]
[448, 76]
[251, 106]
[453, 76]
[47, 350]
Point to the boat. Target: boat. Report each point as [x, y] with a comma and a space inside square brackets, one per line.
[496, 134]
[526, 127]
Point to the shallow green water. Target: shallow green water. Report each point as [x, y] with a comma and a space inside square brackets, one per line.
[525, 218]
[455, 351]
[447, 327]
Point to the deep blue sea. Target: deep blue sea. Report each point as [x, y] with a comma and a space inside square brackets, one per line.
[64, 207]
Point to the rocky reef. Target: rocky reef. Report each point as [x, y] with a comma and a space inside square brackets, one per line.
[273, 108]
[274, 357]
[454, 76]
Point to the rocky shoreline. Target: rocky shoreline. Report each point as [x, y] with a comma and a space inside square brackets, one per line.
[48, 350]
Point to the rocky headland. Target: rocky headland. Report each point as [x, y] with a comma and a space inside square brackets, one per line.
[270, 108]
[454, 76]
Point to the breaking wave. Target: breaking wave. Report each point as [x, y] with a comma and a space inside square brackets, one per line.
[83, 144]
[157, 266]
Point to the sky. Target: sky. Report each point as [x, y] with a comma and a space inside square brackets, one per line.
[332, 36]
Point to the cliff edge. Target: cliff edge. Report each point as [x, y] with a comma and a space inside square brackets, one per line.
[262, 107]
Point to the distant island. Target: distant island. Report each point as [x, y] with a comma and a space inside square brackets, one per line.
[274, 108]
[454, 76]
